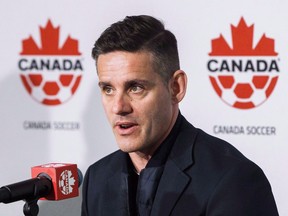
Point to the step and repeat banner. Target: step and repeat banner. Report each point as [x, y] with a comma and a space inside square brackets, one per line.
[235, 54]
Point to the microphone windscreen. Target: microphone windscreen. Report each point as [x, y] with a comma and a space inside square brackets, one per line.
[80, 177]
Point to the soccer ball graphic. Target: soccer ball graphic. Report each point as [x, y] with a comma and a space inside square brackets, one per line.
[243, 92]
[51, 88]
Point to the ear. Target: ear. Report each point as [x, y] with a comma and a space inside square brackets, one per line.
[178, 85]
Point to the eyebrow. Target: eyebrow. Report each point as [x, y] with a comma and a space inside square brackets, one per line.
[129, 83]
[138, 81]
[102, 84]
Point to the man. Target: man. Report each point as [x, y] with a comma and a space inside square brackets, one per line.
[165, 166]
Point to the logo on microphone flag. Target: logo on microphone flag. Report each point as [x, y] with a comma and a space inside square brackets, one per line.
[66, 182]
[244, 74]
[50, 72]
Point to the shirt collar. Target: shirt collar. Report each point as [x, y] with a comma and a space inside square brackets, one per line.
[160, 156]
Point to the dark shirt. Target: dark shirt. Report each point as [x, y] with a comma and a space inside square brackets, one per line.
[142, 188]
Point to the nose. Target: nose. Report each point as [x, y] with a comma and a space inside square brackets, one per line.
[122, 104]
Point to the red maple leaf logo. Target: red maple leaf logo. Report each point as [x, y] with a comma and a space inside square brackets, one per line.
[242, 39]
[50, 43]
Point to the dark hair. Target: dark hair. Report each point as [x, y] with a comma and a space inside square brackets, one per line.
[141, 33]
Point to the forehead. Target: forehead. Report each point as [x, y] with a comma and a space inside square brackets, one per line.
[120, 61]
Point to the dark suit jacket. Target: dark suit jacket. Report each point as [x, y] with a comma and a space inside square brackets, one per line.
[203, 176]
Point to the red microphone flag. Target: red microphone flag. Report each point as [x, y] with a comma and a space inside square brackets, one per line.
[64, 179]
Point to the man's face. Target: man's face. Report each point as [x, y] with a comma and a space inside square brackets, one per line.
[138, 104]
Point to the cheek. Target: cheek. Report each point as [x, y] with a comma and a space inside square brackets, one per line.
[163, 112]
[147, 109]
[158, 101]
[159, 113]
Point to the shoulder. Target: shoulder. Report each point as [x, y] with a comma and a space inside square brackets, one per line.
[217, 156]
[106, 165]
[104, 169]
[218, 147]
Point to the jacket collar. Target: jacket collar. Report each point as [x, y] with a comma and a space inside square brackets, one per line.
[174, 179]
[172, 183]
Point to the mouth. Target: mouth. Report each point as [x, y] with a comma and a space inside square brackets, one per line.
[125, 128]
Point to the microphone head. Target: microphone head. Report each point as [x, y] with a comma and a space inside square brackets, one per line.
[80, 177]
[65, 178]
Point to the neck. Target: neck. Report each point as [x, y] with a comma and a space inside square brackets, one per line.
[140, 159]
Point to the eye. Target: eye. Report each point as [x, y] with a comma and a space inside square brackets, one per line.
[136, 89]
[107, 90]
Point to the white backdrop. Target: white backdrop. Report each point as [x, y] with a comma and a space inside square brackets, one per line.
[195, 24]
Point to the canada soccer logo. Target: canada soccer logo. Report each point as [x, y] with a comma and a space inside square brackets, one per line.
[66, 182]
[243, 75]
[50, 72]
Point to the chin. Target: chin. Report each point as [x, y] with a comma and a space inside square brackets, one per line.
[127, 149]
[128, 145]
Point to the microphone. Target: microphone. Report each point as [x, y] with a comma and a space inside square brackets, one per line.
[54, 181]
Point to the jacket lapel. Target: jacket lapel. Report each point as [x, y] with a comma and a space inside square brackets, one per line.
[174, 179]
[171, 186]
[116, 192]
